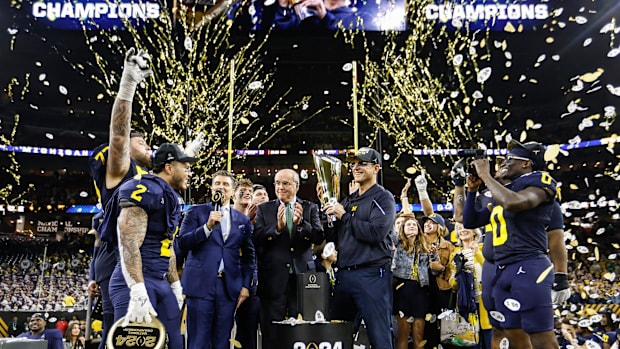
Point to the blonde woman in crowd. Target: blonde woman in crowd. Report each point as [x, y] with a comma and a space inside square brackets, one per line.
[411, 279]
[470, 253]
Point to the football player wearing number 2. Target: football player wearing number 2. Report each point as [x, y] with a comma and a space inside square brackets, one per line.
[524, 275]
[145, 281]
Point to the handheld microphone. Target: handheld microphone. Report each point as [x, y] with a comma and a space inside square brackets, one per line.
[217, 200]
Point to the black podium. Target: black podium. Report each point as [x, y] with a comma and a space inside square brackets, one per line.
[313, 293]
[315, 336]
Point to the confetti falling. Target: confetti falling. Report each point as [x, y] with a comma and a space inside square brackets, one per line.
[432, 88]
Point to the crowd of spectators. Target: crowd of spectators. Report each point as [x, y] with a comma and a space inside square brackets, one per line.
[592, 281]
[43, 274]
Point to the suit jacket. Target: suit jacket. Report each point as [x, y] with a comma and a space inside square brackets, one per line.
[203, 254]
[279, 250]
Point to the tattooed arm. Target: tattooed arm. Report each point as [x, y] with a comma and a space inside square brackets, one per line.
[118, 155]
[132, 223]
[135, 69]
[173, 274]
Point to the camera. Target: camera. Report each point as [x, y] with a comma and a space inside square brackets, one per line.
[475, 153]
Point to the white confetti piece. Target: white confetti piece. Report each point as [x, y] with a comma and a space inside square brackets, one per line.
[541, 58]
[49, 136]
[62, 90]
[42, 76]
[188, 43]
[581, 20]
[585, 123]
[587, 42]
[254, 85]
[582, 249]
[556, 58]
[504, 343]
[12, 31]
[484, 74]
[613, 52]
[613, 89]
[578, 86]
[457, 60]
[607, 28]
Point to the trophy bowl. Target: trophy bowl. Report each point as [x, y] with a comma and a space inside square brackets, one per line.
[328, 170]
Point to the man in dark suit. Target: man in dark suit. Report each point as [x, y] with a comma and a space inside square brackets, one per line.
[218, 267]
[285, 229]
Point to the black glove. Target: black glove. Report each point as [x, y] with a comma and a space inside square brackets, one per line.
[458, 173]
[459, 262]
[560, 291]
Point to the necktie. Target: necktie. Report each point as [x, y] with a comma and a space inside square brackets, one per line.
[225, 224]
[289, 217]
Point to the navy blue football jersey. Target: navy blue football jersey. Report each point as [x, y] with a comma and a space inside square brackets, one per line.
[163, 207]
[97, 163]
[523, 235]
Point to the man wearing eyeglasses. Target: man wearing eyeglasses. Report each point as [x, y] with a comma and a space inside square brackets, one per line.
[38, 331]
[521, 212]
[361, 231]
[285, 229]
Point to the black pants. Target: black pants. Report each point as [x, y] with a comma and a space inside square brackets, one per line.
[277, 308]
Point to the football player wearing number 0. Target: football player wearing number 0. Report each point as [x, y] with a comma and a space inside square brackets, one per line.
[518, 219]
[145, 282]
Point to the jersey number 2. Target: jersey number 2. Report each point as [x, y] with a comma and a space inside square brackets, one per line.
[137, 194]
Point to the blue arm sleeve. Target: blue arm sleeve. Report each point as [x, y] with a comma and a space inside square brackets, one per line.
[91, 270]
[473, 218]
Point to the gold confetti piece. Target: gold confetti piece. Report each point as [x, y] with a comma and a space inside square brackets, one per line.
[509, 28]
[523, 136]
[529, 123]
[411, 170]
[235, 343]
[544, 274]
[573, 186]
[550, 40]
[590, 77]
[428, 317]
[422, 343]
[574, 243]
[596, 253]
[552, 152]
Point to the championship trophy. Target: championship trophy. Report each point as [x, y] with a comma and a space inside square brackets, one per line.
[328, 170]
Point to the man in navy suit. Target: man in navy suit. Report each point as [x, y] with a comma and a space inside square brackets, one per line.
[285, 229]
[218, 268]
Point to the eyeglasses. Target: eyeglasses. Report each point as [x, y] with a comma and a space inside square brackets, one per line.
[283, 183]
[514, 157]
